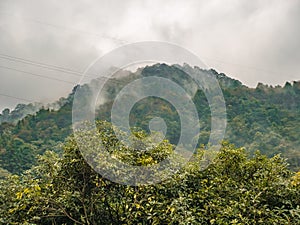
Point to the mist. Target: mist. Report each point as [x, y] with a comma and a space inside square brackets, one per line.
[252, 41]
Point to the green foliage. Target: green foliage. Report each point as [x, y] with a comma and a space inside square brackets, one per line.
[232, 190]
[16, 155]
[265, 118]
[240, 186]
[19, 112]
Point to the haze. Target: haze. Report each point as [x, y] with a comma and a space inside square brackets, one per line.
[252, 41]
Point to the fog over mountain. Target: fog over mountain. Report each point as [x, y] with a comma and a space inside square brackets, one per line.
[252, 41]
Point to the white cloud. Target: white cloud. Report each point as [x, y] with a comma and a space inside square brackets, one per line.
[254, 41]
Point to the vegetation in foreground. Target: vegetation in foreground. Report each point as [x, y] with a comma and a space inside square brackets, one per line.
[233, 189]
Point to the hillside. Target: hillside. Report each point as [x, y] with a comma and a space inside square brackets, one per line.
[264, 118]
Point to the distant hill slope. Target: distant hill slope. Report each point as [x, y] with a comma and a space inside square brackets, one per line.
[264, 118]
[21, 111]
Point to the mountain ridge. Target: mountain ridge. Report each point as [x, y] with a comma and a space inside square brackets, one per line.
[265, 118]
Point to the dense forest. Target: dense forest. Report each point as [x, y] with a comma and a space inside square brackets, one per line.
[253, 179]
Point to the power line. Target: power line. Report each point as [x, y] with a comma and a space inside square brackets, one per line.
[42, 76]
[79, 74]
[37, 75]
[32, 20]
[51, 67]
[42, 65]
[14, 97]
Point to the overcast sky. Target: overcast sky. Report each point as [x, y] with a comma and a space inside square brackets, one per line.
[252, 41]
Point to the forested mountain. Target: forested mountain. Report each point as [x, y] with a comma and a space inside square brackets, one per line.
[21, 111]
[264, 118]
[46, 180]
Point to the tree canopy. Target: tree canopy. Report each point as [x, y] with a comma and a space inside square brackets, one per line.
[233, 189]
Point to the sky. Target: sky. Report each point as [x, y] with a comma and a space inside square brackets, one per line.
[46, 45]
